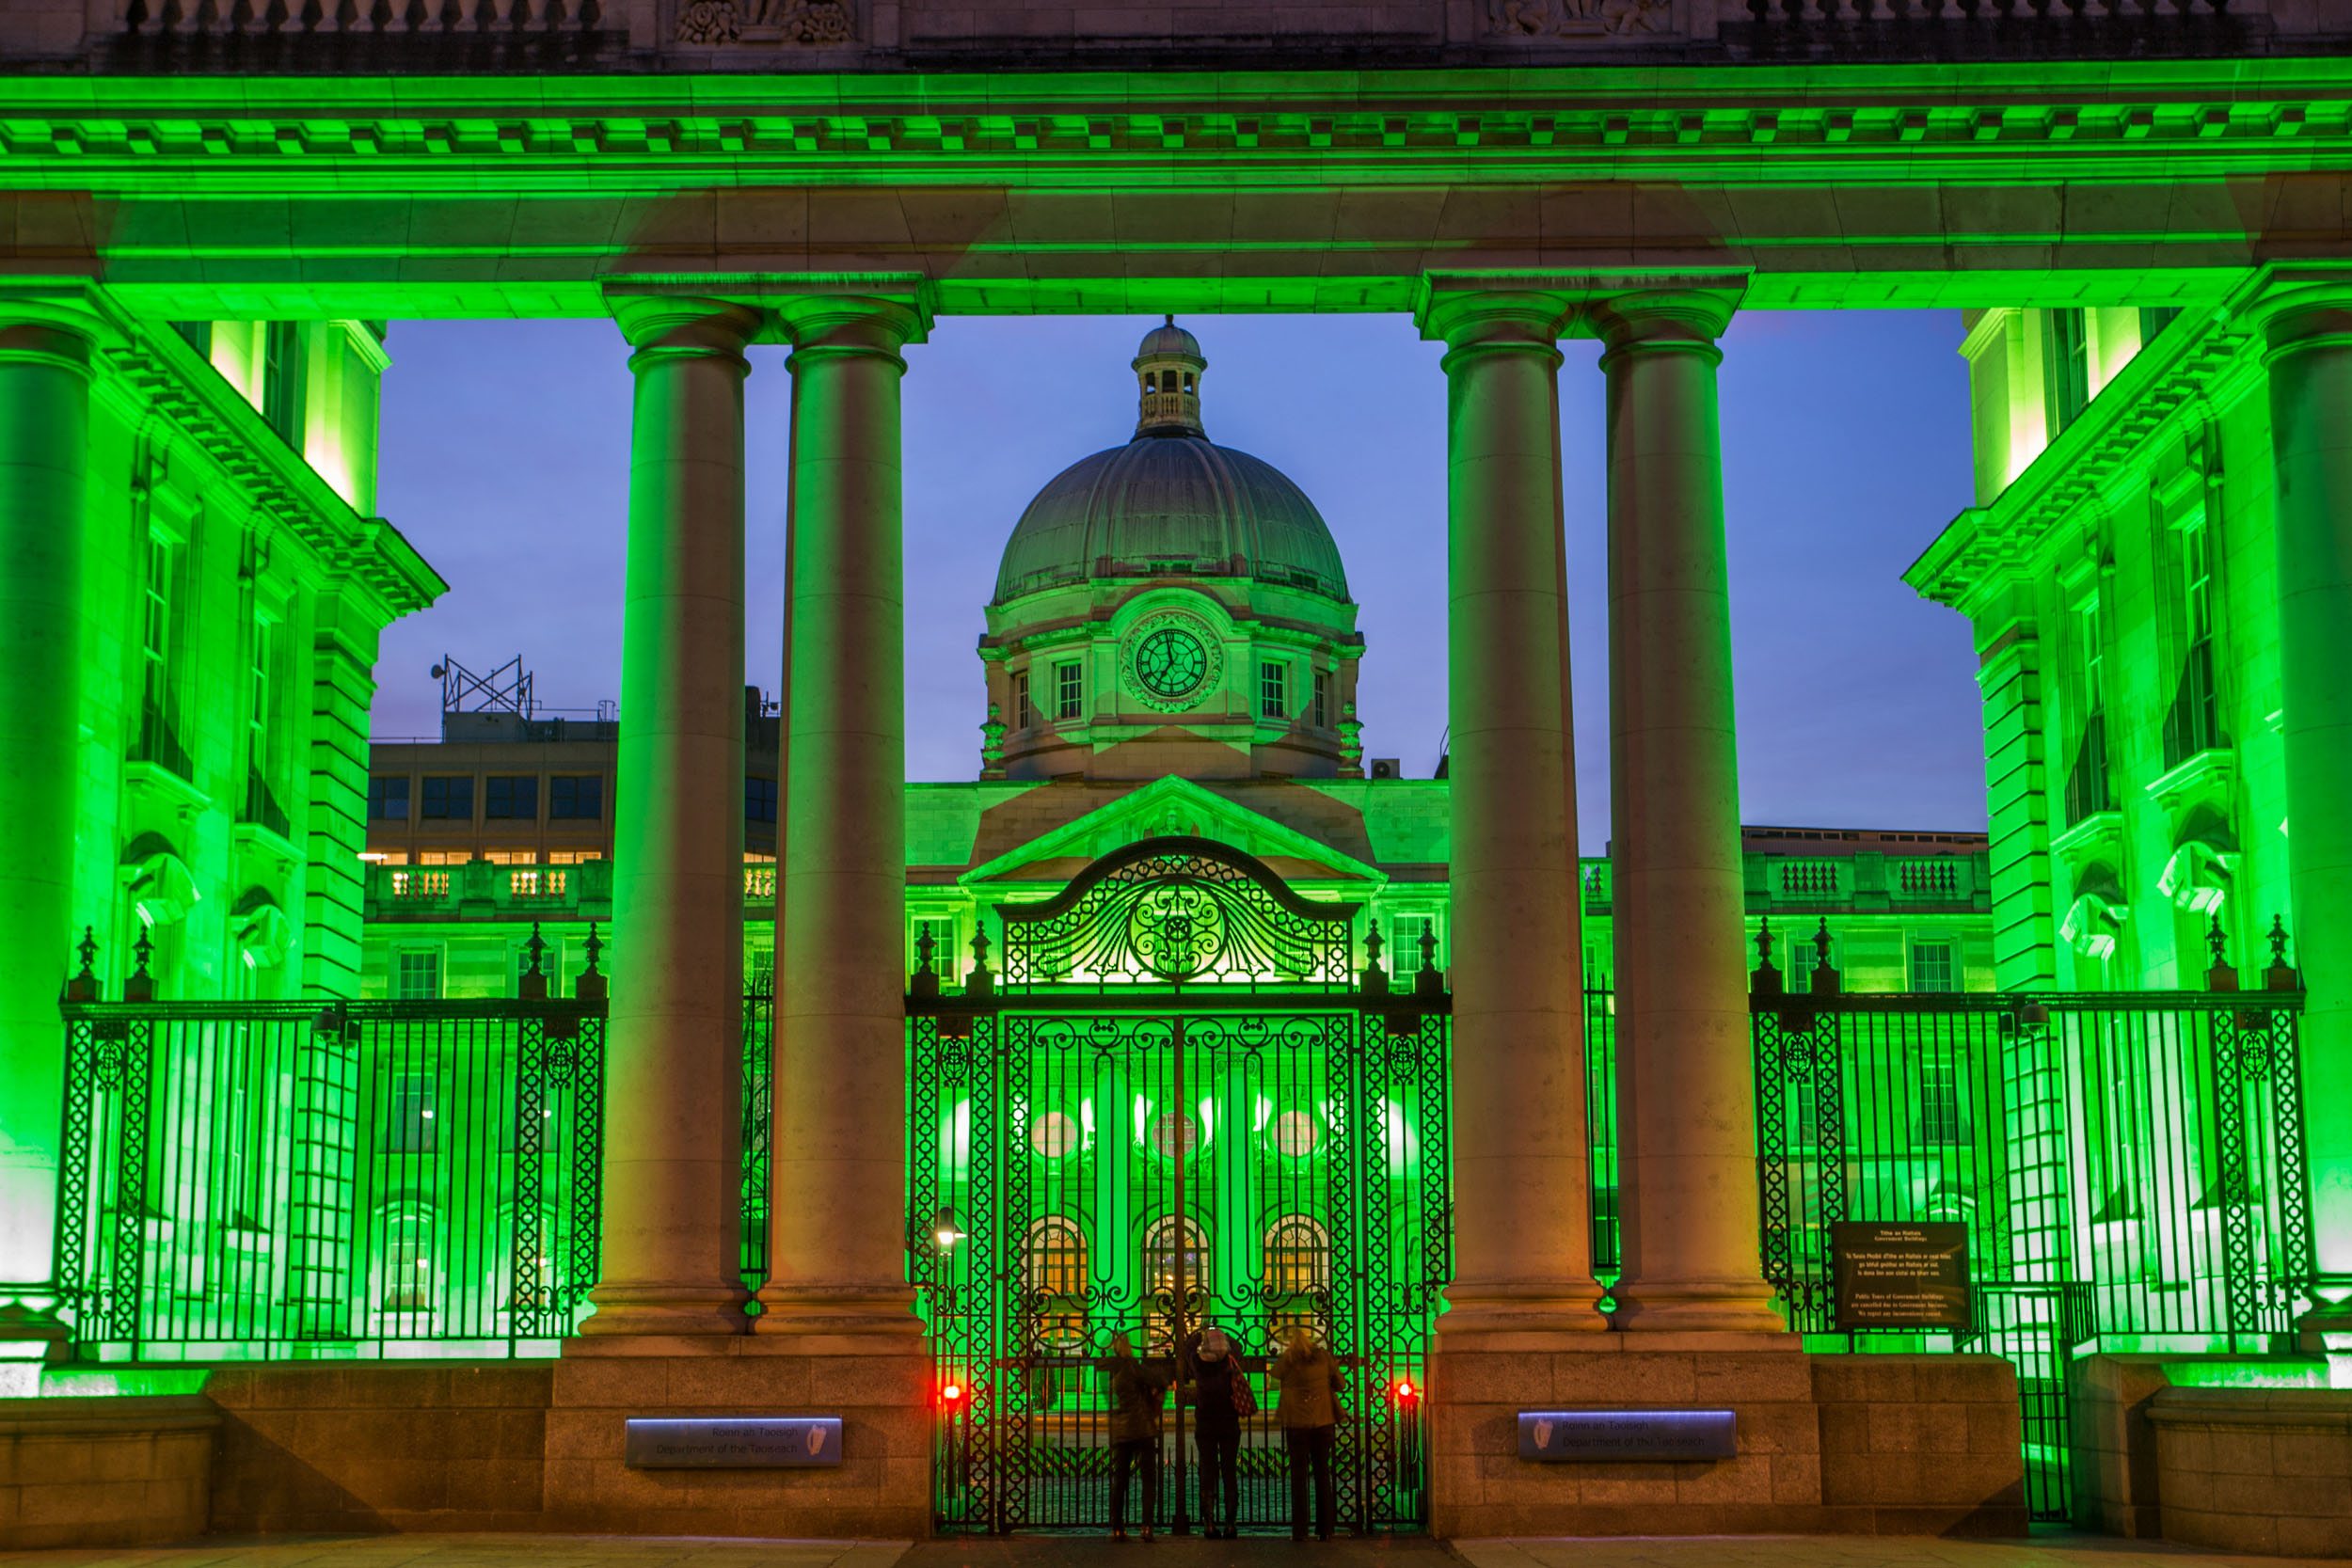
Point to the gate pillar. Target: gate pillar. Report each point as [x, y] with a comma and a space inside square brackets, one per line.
[1522, 1192]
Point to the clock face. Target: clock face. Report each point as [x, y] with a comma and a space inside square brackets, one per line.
[1170, 662]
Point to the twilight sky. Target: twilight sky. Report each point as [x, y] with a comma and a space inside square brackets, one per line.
[505, 460]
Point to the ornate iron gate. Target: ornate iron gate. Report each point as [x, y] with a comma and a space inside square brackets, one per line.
[1182, 1109]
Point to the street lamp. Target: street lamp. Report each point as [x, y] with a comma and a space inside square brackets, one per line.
[945, 1229]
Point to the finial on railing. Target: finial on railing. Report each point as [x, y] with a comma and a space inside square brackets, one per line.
[1376, 981]
[591, 984]
[2281, 976]
[531, 985]
[1427, 980]
[1765, 980]
[1824, 978]
[82, 984]
[140, 986]
[925, 980]
[2219, 975]
[979, 982]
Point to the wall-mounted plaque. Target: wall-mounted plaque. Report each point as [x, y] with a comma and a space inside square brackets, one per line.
[1627, 1435]
[1901, 1276]
[732, 1442]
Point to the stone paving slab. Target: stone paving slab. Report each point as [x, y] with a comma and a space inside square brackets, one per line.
[2052, 1550]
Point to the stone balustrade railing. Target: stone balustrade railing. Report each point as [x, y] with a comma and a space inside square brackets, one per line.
[484, 890]
[1832, 884]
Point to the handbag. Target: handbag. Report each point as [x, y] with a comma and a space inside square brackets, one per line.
[1245, 1397]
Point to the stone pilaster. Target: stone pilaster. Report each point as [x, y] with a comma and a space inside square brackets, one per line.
[2307, 321]
[1522, 1192]
[1685, 1077]
[46, 345]
[837, 1232]
[675, 1039]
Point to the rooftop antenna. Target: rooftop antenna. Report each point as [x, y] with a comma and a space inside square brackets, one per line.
[504, 690]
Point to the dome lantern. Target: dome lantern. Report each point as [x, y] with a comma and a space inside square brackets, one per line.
[1167, 367]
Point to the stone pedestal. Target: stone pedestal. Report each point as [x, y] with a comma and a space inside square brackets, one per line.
[1910, 1445]
[882, 1486]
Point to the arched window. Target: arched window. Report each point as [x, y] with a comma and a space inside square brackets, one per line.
[1055, 1259]
[408, 1272]
[1159, 1258]
[1297, 1255]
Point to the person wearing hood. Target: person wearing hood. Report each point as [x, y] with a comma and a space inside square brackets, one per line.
[1216, 1406]
[1135, 1391]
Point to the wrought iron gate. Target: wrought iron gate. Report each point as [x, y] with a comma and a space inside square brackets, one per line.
[1180, 1110]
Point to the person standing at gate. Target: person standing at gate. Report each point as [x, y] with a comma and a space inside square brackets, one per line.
[1135, 1391]
[1216, 1390]
[1310, 1381]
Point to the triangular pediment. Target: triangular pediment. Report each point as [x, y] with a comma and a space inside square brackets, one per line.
[1172, 808]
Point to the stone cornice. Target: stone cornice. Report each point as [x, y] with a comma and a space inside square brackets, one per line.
[1988, 545]
[1577, 121]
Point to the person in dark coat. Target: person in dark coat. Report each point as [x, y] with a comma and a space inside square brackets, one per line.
[1310, 1379]
[1135, 1391]
[1217, 1430]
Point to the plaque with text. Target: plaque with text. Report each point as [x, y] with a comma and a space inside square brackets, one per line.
[1598, 1436]
[733, 1442]
[1901, 1276]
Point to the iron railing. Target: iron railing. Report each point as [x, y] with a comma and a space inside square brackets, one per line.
[287, 1180]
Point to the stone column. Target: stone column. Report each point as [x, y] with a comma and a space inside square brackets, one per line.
[1522, 1189]
[1685, 1078]
[45, 348]
[837, 1237]
[2308, 322]
[673, 1092]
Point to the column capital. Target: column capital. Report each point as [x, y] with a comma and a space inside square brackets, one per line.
[2298, 307]
[51, 324]
[1490, 313]
[879, 323]
[1686, 320]
[674, 327]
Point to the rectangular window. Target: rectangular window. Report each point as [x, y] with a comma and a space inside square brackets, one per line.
[1273, 695]
[510, 797]
[944, 955]
[260, 713]
[387, 800]
[281, 379]
[1322, 700]
[1069, 690]
[1024, 715]
[448, 799]
[1931, 966]
[2195, 722]
[1404, 943]
[2153, 319]
[1799, 957]
[575, 798]
[759, 800]
[2066, 367]
[199, 333]
[418, 978]
[1940, 1118]
[412, 1114]
[159, 640]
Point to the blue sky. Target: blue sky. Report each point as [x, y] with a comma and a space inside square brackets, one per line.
[506, 459]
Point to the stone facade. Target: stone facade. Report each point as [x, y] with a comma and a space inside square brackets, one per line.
[105, 1471]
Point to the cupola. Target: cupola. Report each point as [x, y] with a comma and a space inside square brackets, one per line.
[1167, 374]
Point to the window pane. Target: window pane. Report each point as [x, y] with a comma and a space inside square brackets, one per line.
[513, 798]
[1274, 689]
[387, 800]
[1068, 695]
[759, 800]
[448, 799]
[576, 797]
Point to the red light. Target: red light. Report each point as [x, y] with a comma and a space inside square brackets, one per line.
[952, 1392]
[1405, 1394]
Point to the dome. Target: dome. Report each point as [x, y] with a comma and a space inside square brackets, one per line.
[1171, 503]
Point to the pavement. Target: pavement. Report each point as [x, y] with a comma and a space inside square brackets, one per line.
[2055, 1550]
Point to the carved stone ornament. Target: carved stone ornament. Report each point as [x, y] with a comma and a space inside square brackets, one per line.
[1571, 17]
[806, 21]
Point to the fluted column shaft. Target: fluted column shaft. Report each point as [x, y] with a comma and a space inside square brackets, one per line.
[1522, 1198]
[673, 1117]
[1685, 1075]
[2308, 328]
[837, 1235]
[45, 348]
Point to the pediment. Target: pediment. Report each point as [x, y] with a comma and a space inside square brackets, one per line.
[1171, 808]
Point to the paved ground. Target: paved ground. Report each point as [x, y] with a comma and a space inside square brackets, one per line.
[1047, 1551]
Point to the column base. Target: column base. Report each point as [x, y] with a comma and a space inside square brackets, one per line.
[665, 1311]
[33, 1334]
[817, 1313]
[1520, 1317]
[1696, 1307]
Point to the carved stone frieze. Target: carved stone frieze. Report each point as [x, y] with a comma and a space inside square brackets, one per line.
[757, 22]
[1578, 17]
